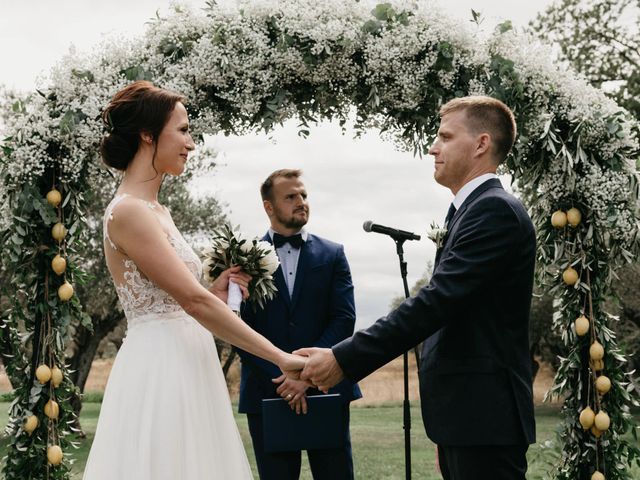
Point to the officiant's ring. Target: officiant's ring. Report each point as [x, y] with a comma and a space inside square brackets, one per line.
[289, 397]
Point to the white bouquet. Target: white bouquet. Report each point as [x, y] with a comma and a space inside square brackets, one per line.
[257, 258]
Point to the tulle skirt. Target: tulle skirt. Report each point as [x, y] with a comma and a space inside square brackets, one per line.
[166, 413]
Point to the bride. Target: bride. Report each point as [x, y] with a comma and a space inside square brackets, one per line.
[166, 412]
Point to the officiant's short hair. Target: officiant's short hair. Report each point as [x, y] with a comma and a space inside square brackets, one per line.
[490, 115]
[266, 188]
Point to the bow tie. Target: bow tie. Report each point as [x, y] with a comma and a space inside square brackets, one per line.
[294, 240]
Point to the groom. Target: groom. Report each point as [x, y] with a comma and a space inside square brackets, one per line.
[313, 306]
[475, 374]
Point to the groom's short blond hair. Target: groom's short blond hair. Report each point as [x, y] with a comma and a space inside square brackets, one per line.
[487, 115]
[266, 188]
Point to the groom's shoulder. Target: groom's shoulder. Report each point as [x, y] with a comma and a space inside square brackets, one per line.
[499, 200]
[325, 243]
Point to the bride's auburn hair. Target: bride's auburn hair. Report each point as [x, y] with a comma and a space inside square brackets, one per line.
[138, 108]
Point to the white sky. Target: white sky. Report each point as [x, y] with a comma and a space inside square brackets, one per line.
[349, 181]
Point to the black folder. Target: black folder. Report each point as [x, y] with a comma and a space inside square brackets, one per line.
[320, 428]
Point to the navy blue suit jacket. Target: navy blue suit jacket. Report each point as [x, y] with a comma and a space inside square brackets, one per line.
[320, 313]
[475, 373]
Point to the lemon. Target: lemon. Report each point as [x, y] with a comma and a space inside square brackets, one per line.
[602, 421]
[58, 264]
[43, 374]
[587, 417]
[582, 325]
[58, 232]
[597, 365]
[574, 217]
[559, 219]
[603, 384]
[596, 433]
[54, 197]
[596, 351]
[56, 376]
[597, 476]
[30, 424]
[51, 409]
[54, 455]
[570, 276]
[65, 292]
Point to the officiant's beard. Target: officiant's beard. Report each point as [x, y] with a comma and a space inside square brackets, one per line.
[293, 222]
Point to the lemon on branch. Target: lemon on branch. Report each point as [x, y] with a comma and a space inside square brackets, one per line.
[65, 292]
[43, 374]
[596, 351]
[587, 417]
[596, 433]
[30, 424]
[603, 384]
[58, 232]
[559, 219]
[570, 276]
[597, 476]
[582, 325]
[56, 376]
[51, 409]
[58, 264]
[54, 455]
[54, 197]
[574, 217]
[602, 421]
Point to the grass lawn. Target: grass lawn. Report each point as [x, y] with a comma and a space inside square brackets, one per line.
[377, 438]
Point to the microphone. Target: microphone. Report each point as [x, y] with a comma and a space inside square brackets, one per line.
[369, 226]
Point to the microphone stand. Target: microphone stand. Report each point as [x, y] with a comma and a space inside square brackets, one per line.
[405, 404]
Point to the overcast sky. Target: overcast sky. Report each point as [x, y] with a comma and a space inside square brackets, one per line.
[349, 181]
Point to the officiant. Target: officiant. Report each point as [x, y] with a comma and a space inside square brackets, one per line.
[314, 305]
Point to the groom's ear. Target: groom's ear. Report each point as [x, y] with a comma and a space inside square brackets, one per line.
[268, 207]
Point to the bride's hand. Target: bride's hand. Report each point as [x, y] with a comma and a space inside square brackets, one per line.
[291, 365]
[220, 286]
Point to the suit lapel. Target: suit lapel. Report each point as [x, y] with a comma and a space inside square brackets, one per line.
[278, 277]
[303, 263]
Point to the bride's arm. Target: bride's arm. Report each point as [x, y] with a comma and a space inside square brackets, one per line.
[137, 232]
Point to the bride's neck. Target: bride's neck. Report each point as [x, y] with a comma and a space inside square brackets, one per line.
[140, 179]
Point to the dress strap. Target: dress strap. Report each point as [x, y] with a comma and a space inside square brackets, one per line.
[108, 216]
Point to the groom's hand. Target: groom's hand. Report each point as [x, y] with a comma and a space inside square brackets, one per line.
[293, 391]
[220, 286]
[321, 369]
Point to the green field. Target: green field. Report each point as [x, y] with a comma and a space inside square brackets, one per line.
[378, 443]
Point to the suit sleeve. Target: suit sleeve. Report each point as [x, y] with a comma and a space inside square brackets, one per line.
[487, 233]
[342, 305]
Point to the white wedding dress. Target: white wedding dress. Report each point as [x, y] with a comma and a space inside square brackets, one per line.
[166, 413]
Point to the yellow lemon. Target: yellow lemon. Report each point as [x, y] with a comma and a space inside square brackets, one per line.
[559, 219]
[65, 292]
[30, 424]
[51, 409]
[56, 376]
[596, 433]
[597, 476]
[54, 197]
[574, 217]
[603, 384]
[43, 374]
[582, 325]
[587, 417]
[596, 351]
[570, 276]
[58, 232]
[597, 365]
[54, 455]
[58, 264]
[602, 421]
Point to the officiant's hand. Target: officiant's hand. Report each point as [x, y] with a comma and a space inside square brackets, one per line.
[220, 286]
[321, 369]
[293, 391]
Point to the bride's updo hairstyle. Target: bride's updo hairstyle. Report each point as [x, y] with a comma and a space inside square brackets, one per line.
[138, 108]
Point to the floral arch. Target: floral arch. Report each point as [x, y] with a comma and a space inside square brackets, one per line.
[255, 65]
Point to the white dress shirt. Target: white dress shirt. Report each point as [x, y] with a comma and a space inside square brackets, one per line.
[288, 257]
[469, 187]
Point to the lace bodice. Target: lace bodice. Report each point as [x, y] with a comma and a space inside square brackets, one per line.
[137, 294]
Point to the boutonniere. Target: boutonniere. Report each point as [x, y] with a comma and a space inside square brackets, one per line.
[437, 234]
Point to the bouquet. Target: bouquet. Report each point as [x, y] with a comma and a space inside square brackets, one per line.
[257, 258]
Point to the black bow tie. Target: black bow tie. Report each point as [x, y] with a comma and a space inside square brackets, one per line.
[294, 240]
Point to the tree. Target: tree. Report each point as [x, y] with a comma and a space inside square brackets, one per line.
[601, 39]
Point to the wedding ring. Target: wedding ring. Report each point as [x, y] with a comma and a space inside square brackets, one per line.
[289, 397]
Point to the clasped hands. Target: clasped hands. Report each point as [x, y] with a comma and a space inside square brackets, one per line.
[321, 370]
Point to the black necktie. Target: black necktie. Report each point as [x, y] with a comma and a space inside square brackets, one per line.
[450, 214]
[294, 240]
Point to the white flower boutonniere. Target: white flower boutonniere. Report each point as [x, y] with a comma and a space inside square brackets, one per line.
[437, 234]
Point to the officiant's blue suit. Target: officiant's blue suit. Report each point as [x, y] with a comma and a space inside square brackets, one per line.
[319, 313]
